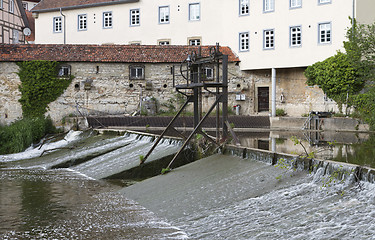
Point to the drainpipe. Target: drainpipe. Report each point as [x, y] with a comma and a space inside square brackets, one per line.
[64, 25]
[273, 97]
[353, 13]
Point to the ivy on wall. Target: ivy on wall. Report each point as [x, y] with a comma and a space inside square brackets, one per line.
[40, 85]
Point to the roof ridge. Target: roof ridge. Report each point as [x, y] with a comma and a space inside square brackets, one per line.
[103, 53]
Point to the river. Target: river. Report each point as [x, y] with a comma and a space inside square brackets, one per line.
[219, 197]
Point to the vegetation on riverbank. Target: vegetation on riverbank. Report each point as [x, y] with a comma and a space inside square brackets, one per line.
[348, 78]
[23, 133]
[41, 84]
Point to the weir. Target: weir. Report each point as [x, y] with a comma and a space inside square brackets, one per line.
[102, 156]
[242, 195]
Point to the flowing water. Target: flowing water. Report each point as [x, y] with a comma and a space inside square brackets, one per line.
[37, 202]
[220, 197]
[126, 157]
[246, 199]
[302, 211]
[62, 204]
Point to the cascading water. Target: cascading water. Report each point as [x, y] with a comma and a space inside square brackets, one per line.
[222, 197]
[126, 157]
[38, 202]
[246, 199]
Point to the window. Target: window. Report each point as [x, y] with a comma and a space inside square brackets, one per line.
[269, 39]
[107, 19]
[11, 6]
[164, 14]
[64, 71]
[244, 7]
[16, 36]
[194, 42]
[57, 24]
[295, 36]
[295, 3]
[244, 41]
[164, 42]
[324, 33]
[268, 5]
[194, 11]
[324, 1]
[82, 22]
[24, 5]
[136, 72]
[208, 73]
[134, 17]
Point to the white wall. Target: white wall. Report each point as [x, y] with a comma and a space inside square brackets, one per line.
[220, 22]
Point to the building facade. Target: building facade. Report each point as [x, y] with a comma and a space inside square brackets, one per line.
[13, 21]
[274, 40]
[108, 80]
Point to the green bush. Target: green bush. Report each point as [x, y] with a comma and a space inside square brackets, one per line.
[22, 133]
[280, 112]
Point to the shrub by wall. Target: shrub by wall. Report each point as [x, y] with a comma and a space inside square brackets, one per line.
[40, 85]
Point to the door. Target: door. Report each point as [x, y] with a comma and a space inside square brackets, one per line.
[263, 99]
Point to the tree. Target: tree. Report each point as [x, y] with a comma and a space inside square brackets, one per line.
[360, 49]
[337, 77]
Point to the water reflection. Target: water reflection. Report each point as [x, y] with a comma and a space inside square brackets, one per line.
[356, 148]
[60, 204]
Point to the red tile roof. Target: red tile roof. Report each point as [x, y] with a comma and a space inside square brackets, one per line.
[103, 53]
[55, 5]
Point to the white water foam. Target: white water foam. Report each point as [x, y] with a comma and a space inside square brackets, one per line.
[31, 152]
[306, 210]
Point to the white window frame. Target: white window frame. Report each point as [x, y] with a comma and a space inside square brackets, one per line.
[244, 41]
[82, 22]
[164, 14]
[268, 6]
[244, 7]
[295, 3]
[135, 17]
[107, 20]
[11, 6]
[269, 39]
[295, 36]
[139, 71]
[320, 2]
[324, 32]
[208, 73]
[195, 42]
[194, 12]
[57, 24]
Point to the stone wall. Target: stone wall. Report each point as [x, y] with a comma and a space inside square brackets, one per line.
[105, 88]
[298, 98]
[10, 108]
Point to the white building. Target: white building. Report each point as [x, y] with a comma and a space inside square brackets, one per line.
[283, 35]
[29, 4]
